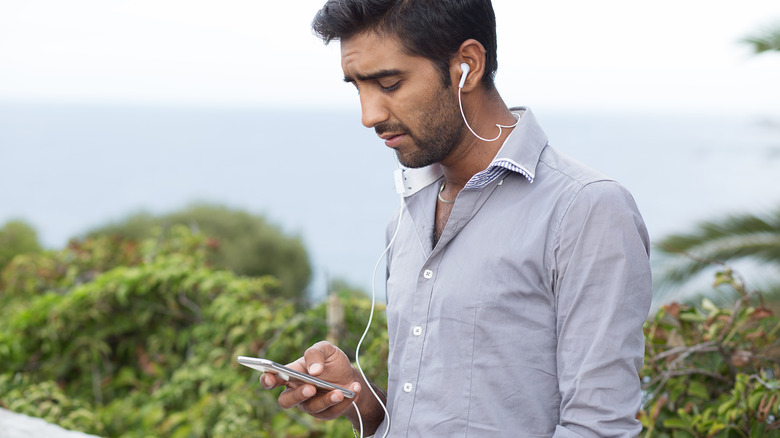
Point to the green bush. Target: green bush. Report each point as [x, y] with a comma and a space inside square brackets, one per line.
[243, 243]
[712, 372]
[58, 271]
[142, 341]
[121, 338]
[17, 237]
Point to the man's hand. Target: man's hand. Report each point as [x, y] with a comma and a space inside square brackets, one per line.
[327, 362]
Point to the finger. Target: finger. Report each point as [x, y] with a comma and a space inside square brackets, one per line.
[269, 381]
[322, 403]
[332, 405]
[298, 365]
[329, 400]
[293, 396]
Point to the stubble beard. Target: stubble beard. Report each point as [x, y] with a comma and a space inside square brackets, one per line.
[440, 132]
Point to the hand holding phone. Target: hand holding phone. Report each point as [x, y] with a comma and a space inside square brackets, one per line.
[290, 375]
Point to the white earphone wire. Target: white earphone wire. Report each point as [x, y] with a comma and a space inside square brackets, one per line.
[500, 127]
[360, 419]
[368, 325]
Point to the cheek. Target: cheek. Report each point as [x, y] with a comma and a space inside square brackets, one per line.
[419, 107]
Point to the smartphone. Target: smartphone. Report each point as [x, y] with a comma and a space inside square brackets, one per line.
[290, 374]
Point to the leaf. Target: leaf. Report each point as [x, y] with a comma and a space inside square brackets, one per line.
[676, 423]
[755, 399]
[692, 317]
[709, 306]
[699, 390]
[122, 294]
[723, 277]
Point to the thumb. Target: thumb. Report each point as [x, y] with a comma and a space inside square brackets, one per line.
[317, 355]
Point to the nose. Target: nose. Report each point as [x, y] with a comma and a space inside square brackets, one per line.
[373, 109]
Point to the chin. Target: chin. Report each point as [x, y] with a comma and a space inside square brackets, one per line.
[412, 164]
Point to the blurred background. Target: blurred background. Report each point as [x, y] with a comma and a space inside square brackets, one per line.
[232, 119]
[109, 109]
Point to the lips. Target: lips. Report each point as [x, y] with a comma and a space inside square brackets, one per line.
[393, 140]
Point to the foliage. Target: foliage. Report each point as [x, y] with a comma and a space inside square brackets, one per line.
[241, 242]
[17, 237]
[766, 40]
[123, 339]
[712, 372]
[751, 239]
[730, 238]
[57, 271]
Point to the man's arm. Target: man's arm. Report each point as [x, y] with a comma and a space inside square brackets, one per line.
[603, 291]
[327, 362]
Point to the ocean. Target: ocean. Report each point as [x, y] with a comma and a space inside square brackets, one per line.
[319, 174]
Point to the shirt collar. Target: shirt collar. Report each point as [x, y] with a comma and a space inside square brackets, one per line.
[520, 154]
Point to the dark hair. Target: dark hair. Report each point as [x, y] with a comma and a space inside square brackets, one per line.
[433, 29]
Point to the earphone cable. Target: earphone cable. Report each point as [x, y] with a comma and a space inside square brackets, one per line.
[368, 325]
[500, 127]
[360, 421]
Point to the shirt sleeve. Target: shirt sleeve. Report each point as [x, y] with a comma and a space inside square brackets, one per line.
[603, 288]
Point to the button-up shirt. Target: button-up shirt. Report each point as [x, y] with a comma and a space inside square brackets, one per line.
[525, 319]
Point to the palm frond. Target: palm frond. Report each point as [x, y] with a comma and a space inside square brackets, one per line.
[766, 41]
[726, 240]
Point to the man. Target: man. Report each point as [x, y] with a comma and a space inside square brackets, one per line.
[518, 281]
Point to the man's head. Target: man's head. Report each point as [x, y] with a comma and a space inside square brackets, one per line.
[433, 29]
[403, 98]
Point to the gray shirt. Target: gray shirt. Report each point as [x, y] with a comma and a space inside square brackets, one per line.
[526, 318]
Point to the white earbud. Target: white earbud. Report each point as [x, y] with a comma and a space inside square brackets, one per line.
[466, 69]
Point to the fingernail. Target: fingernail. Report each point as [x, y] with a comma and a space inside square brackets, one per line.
[337, 397]
[308, 391]
[315, 369]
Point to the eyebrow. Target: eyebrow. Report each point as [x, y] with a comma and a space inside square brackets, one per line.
[371, 76]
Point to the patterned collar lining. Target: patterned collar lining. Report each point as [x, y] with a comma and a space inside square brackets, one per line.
[496, 169]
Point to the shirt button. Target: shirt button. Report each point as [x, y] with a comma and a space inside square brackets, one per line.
[417, 330]
[428, 274]
[407, 387]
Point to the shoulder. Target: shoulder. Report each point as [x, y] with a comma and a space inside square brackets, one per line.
[556, 165]
[575, 184]
[586, 196]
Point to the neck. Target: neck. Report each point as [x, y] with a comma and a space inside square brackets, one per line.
[483, 111]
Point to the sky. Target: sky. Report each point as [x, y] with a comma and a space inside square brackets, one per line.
[600, 54]
[616, 56]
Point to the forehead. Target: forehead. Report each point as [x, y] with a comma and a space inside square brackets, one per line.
[369, 52]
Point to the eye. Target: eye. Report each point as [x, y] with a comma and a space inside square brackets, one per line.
[391, 87]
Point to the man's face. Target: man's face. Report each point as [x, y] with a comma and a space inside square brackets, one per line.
[402, 97]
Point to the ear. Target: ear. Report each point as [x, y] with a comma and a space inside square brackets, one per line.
[472, 53]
